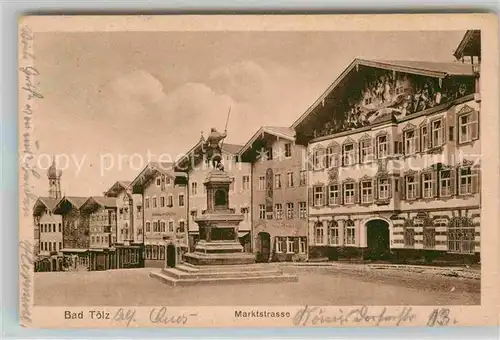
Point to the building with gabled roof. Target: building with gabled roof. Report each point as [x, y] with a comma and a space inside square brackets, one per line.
[393, 170]
[279, 194]
[164, 197]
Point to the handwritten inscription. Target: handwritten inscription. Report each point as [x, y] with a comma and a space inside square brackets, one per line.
[440, 317]
[161, 316]
[126, 316]
[308, 316]
[26, 263]
[29, 88]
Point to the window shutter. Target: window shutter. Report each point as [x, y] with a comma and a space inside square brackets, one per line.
[475, 126]
[453, 181]
[356, 153]
[418, 181]
[403, 187]
[356, 192]
[375, 188]
[311, 196]
[310, 160]
[374, 148]
[417, 140]
[429, 135]
[450, 126]
[296, 245]
[325, 192]
[476, 188]
[341, 192]
[434, 183]
[390, 180]
[443, 132]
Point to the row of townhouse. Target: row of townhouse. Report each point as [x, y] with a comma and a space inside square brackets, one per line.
[384, 165]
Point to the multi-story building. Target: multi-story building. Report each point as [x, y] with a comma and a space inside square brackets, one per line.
[47, 225]
[279, 194]
[164, 194]
[394, 172]
[129, 238]
[75, 233]
[195, 164]
[98, 215]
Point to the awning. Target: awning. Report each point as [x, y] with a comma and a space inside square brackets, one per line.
[74, 250]
[243, 233]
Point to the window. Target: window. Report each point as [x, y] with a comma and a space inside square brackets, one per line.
[277, 181]
[437, 133]
[331, 159]
[231, 185]
[319, 233]
[424, 138]
[303, 177]
[468, 127]
[427, 185]
[302, 210]
[289, 210]
[92, 239]
[302, 245]
[148, 226]
[60, 245]
[155, 226]
[262, 183]
[333, 194]
[383, 188]
[181, 200]
[278, 211]
[288, 149]
[182, 226]
[317, 159]
[269, 153]
[382, 146]
[348, 154]
[170, 202]
[289, 179]
[246, 182]
[365, 150]
[318, 196]
[429, 236]
[410, 142]
[60, 227]
[411, 187]
[262, 211]
[245, 212]
[170, 226]
[349, 233]
[333, 232]
[162, 226]
[155, 202]
[465, 181]
[445, 183]
[461, 234]
[279, 245]
[289, 245]
[194, 188]
[158, 181]
[349, 193]
[409, 236]
[366, 192]
[162, 201]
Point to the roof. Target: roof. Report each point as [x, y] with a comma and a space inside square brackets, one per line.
[75, 201]
[278, 131]
[117, 187]
[231, 148]
[165, 168]
[471, 42]
[103, 201]
[424, 68]
[45, 203]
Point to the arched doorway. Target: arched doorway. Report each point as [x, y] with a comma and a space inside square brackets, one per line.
[171, 254]
[377, 237]
[264, 249]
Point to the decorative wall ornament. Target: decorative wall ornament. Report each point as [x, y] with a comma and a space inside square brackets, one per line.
[333, 174]
[409, 127]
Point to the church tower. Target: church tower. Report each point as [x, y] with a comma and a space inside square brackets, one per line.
[54, 176]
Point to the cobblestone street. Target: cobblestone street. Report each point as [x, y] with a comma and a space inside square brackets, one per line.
[316, 286]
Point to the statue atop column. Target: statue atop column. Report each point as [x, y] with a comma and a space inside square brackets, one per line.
[213, 148]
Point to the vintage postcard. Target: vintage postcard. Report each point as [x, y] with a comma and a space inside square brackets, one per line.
[258, 170]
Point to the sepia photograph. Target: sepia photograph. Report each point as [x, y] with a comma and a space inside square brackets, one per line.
[254, 168]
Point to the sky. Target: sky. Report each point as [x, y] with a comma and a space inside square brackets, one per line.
[112, 101]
